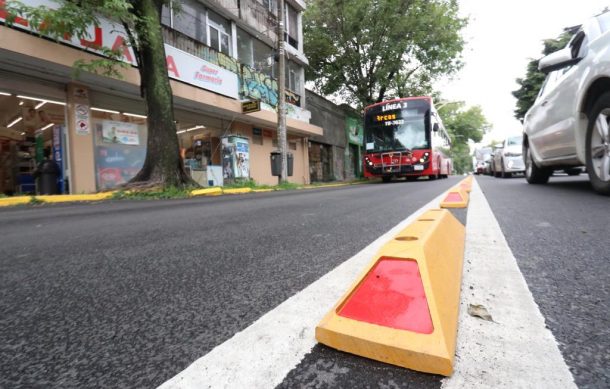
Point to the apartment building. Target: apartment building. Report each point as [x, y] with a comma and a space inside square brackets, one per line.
[219, 53]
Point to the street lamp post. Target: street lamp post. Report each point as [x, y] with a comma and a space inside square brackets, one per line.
[281, 108]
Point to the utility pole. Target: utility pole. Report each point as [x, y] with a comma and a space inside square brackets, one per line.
[281, 108]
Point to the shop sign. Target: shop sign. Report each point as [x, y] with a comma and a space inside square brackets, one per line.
[120, 132]
[181, 66]
[250, 106]
[81, 113]
[193, 70]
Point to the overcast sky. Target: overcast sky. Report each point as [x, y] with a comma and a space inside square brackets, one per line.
[501, 36]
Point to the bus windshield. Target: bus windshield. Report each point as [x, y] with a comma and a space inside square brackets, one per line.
[401, 126]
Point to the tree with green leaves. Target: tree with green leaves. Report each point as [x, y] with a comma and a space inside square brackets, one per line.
[462, 125]
[530, 85]
[141, 20]
[367, 51]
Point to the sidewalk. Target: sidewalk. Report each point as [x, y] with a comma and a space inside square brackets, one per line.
[213, 191]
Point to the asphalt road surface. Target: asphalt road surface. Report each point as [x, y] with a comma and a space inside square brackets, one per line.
[559, 235]
[128, 294]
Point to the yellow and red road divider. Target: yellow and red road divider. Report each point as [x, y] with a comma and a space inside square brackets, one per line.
[458, 196]
[403, 309]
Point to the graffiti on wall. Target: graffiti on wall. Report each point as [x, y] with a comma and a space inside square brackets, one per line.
[353, 127]
[259, 86]
[220, 59]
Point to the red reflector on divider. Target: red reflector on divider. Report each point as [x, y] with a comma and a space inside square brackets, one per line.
[391, 295]
[453, 197]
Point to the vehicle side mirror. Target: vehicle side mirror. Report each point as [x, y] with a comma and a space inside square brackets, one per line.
[558, 60]
[435, 127]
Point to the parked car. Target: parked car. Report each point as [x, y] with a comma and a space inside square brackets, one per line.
[568, 124]
[508, 157]
[487, 169]
[480, 167]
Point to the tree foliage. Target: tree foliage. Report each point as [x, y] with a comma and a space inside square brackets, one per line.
[530, 85]
[370, 50]
[463, 125]
[141, 20]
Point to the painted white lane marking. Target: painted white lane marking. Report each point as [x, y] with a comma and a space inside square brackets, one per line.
[516, 350]
[264, 353]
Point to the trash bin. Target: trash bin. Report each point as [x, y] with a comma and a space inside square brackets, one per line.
[276, 163]
[46, 175]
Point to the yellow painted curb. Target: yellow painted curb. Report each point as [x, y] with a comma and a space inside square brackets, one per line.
[207, 192]
[237, 190]
[435, 242]
[17, 200]
[456, 197]
[262, 190]
[73, 198]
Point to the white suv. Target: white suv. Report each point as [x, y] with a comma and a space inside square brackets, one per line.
[568, 124]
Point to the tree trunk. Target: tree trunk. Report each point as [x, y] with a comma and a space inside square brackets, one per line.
[163, 165]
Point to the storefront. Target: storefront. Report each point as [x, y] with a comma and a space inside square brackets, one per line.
[96, 127]
[32, 130]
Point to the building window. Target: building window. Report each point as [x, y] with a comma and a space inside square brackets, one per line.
[292, 26]
[292, 145]
[191, 20]
[293, 76]
[166, 15]
[270, 5]
[244, 48]
[219, 30]
[264, 60]
[257, 136]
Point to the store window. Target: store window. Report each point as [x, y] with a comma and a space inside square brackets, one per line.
[120, 147]
[219, 30]
[32, 129]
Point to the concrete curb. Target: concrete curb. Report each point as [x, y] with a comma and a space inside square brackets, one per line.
[207, 192]
[215, 191]
[237, 190]
[8, 201]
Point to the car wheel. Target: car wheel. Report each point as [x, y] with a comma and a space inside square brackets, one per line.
[598, 145]
[504, 173]
[533, 173]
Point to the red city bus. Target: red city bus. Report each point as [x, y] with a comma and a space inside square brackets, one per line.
[405, 138]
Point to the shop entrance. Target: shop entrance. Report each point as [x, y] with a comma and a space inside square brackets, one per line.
[201, 150]
[32, 130]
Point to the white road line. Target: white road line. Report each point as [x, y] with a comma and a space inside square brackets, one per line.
[264, 353]
[516, 350]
